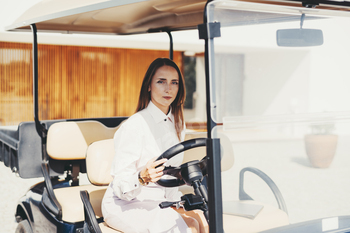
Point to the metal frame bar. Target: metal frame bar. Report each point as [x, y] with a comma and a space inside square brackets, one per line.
[39, 127]
[42, 132]
[213, 145]
[171, 47]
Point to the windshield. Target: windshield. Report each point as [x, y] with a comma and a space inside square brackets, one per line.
[285, 109]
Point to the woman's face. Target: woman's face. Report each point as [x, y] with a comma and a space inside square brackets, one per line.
[164, 87]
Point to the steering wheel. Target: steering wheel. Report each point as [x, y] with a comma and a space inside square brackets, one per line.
[175, 171]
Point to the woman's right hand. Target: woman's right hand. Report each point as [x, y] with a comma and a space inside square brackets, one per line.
[150, 173]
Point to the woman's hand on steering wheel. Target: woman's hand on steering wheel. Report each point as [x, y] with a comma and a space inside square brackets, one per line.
[176, 172]
[152, 173]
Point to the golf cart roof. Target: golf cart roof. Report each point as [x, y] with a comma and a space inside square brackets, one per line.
[127, 16]
[112, 17]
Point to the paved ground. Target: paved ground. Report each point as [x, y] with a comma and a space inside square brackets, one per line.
[12, 189]
[309, 193]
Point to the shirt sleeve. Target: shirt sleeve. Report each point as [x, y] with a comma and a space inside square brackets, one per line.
[128, 143]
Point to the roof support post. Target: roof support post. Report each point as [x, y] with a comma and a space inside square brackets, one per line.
[171, 48]
[208, 31]
[39, 127]
[49, 198]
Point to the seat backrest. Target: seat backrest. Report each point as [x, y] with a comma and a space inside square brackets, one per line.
[70, 140]
[99, 157]
[227, 156]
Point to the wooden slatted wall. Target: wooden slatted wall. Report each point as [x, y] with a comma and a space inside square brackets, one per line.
[74, 81]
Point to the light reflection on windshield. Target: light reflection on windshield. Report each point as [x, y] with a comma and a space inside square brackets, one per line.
[286, 112]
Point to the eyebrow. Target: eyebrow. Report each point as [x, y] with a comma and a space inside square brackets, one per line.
[166, 79]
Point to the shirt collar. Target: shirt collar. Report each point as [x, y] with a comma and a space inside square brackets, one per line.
[157, 114]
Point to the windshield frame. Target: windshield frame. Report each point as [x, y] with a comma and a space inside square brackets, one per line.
[294, 12]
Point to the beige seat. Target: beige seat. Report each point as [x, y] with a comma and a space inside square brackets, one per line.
[269, 217]
[69, 141]
[72, 208]
[100, 155]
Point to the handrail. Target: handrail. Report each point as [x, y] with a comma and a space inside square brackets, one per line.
[52, 203]
[276, 192]
[90, 222]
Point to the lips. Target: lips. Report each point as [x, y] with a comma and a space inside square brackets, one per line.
[167, 97]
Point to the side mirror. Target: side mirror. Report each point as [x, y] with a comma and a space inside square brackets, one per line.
[299, 37]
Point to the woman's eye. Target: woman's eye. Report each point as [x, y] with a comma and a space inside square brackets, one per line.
[160, 81]
[175, 83]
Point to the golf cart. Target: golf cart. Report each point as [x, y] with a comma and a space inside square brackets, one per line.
[274, 69]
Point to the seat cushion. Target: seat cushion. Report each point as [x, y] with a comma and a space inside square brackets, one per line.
[72, 205]
[268, 218]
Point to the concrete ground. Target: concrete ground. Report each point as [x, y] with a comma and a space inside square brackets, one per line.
[310, 193]
[12, 189]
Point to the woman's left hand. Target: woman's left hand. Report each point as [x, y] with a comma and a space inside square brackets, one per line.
[152, 174]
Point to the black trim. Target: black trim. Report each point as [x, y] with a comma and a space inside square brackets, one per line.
[214, 186]
[174, 150]
[39, 128]
[317, 2]
[213, 147]
[209, 30]
[49, 198]
[171, 46]
[90, 222]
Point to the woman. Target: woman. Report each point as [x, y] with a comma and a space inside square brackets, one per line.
[131, 202]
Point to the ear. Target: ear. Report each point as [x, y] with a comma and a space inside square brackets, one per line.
[149, 88]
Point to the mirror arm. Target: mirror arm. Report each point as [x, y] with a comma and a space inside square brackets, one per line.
[310, 4]
[302, 20]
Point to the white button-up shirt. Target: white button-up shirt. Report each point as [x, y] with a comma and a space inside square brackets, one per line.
[127, 205]
[145, 135]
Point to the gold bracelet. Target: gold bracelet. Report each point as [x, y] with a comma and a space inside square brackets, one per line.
[142, 182]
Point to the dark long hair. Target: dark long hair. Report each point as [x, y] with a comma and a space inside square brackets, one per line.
[177, 104]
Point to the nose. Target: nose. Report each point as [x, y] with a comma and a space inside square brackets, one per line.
[167, 87]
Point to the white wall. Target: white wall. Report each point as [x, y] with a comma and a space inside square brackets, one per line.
[331, 71]
[271, 81]
[283, 81]
[279, 96]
